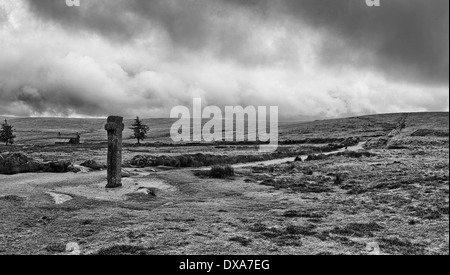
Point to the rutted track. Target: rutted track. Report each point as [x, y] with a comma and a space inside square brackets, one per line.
[382, 142]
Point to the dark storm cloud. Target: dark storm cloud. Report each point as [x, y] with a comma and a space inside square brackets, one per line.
[404, 39]
[188, 23]
[323, 58]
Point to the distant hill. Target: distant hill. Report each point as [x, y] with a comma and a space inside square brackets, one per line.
[45, 130]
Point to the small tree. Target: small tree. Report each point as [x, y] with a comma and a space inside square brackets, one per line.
[7, 133]
[139, 130]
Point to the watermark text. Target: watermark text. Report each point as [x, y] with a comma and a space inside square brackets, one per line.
[236, 119]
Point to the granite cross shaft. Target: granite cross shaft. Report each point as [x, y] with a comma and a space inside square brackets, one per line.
[115, 127]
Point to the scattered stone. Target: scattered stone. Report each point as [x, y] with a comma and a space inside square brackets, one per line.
[126, 174]
[74, 169]
[298, 159]
[59, 198]
[17, 163]
[92, 164]
[147, 191]
[73, 248]
[57, 167]
[373, 249]
[142, 161]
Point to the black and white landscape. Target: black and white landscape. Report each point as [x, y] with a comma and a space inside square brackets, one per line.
[362, 163]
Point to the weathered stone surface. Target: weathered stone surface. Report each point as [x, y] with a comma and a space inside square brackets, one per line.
[93, 165]
[17, 163]
[57, 167]
[114, 127]
[298, 159]
[142, 161]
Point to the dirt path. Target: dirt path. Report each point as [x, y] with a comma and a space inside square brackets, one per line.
[384, 141]
[303, 157]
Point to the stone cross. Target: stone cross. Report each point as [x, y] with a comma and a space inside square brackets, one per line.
[114, 126]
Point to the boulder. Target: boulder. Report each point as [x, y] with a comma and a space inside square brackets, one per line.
[57, 167]
[93, 165]
[142, 161]
[16, 163]
[127, 174]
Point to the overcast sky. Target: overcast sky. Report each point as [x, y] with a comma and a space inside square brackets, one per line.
[312, 58]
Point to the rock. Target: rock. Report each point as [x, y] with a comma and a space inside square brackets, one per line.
[339, 180]
[142, 161]
[147, 191]
[59, 198]
[126, 174]
[16, 163]
[57, 167]
[373, 249]
[74, 169]
[93, 165]
[73, 248]
[298, 159]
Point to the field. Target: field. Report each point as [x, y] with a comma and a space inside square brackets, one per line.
[387, 194]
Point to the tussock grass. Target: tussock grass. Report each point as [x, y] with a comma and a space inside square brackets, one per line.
[123, 250]
[401, 247]
[288, 236]
[358, 229]
[220, 172]
[242, 240]
[216, 172]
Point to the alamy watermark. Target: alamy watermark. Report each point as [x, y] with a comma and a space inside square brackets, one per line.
[73, 3]
[77, 3]
[373, 3]
[212, 130]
